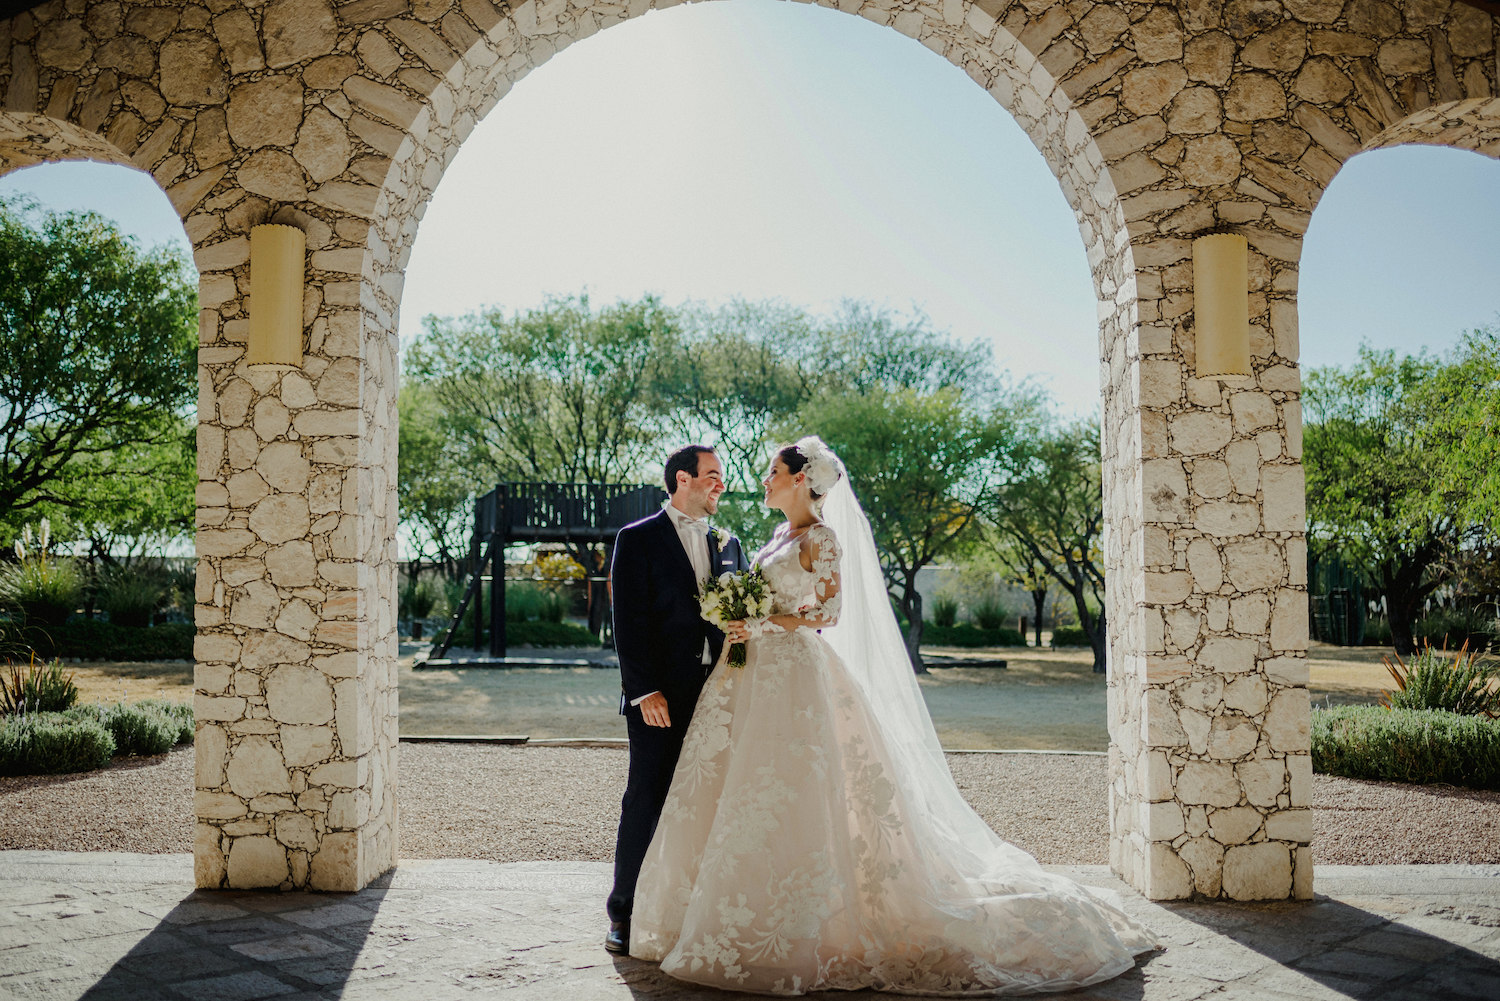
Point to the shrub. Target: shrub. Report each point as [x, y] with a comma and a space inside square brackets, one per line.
[530, 602]
[1377, 631]
[44, 590]
[136, 729]
[131, 596]
[1433, 680]
[561, 634]
[417, 599]
[182, 587]
[181, 712]
[966, 635]
[36, 688]
[52, 743]
[92, 640]
[1405, 745]
[1456, 626]
[989, 613]
[944, 612]
[1070, 636]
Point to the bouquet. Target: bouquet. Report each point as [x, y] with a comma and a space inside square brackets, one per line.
[731, 596]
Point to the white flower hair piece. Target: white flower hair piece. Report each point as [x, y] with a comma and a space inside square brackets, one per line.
[823, 468]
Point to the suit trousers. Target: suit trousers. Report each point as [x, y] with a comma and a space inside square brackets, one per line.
[654, 751]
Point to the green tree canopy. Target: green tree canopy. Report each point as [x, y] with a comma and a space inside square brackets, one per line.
[1048, 516]
[922, 464]
[1398, 457]
[99, 340]
[437, 480]
[561, 392]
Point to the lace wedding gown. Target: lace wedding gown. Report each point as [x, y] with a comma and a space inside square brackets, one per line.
[789, 857]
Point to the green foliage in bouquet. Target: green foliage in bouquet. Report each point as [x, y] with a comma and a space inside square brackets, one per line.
[734, 596]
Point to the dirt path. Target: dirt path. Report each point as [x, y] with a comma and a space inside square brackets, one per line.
[1045, 700]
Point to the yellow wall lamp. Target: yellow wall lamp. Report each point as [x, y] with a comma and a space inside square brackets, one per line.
[277, 255]
[1221, 306]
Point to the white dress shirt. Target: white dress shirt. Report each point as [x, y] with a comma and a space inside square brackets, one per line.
[693, 534]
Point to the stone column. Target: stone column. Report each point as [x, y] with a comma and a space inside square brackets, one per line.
[1211, 767]
[296, 648]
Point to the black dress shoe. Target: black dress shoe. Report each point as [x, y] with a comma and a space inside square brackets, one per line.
[617, 939]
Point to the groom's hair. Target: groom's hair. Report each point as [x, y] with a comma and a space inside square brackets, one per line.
[684, 460]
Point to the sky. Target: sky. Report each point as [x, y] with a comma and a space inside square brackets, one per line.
[760, 149]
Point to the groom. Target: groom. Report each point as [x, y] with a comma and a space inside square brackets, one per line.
[666, 650]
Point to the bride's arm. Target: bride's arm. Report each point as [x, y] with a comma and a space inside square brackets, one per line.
[820, 556]
[819, 553]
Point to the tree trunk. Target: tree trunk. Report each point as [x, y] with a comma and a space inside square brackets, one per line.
[1093, 627]
[1039, 602]
[911, 607]
[1098, 636]
[1404, 594]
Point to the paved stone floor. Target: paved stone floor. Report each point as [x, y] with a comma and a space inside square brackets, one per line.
[117, 926]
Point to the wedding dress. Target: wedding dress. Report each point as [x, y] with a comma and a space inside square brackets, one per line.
[813, 838]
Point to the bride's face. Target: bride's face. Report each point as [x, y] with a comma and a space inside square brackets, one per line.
[782, 484]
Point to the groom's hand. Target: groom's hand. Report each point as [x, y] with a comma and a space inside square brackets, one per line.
[654, 710]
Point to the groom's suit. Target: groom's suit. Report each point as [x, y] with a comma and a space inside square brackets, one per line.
[660, 637]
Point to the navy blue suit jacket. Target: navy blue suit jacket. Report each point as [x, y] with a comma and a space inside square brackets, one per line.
[659, 633]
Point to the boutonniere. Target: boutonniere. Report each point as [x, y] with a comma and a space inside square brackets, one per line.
[720, 537]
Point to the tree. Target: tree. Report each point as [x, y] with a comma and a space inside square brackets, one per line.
[922, 465]
[1049, 514]
[437, 482]
[740, 369]
[1028, 575]
[100, 341]
[1392, 469]
[864, 348]
[1460, 404]
[559, 393]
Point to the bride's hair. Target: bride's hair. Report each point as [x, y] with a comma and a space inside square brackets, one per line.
[796, 461]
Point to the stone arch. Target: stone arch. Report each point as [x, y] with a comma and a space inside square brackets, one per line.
[27, 140]
[1018, 62]
[1160, 120]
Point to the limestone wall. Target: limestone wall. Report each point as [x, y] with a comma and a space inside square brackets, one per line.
[1161, 121]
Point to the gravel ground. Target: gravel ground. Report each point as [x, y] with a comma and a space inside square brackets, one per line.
[511, 803]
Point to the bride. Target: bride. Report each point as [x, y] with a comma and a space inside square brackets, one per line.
[813, 838]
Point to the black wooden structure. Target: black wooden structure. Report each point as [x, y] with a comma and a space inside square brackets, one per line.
[540, 512]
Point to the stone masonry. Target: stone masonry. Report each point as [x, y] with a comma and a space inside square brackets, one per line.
[1161, 121]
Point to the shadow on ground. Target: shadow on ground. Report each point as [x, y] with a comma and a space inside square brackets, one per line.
[1327, 948]
[224, 946]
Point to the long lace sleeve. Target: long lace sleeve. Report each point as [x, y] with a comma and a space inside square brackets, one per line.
[823, 547]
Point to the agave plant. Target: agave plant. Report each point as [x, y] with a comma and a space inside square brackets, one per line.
[36, 687]
[1461, 683]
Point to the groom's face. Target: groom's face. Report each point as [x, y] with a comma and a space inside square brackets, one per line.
[698, 496]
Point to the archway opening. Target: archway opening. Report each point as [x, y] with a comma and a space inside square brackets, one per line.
[797, 181]
[1389, 570]
[100, 397]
